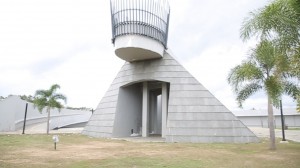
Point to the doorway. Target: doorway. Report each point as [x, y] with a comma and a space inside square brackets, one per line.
[141, 109]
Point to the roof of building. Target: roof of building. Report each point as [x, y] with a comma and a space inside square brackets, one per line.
[264, 112]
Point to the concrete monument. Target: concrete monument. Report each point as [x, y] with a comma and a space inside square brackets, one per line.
[153, 95]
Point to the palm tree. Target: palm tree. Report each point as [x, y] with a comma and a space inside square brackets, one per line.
[263, 70]
[278, 22]
[49, 99]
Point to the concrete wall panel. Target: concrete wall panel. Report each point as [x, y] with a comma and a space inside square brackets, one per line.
[204, 124]
[189, 93]
[105, 123]
[210, 131]
[107, 105]
[198, 108]
[154, 69]
[103, 117]
[113, 92]
[106, 111]
[187, 87]
[107, 99]
[188, 101]
[201, 116]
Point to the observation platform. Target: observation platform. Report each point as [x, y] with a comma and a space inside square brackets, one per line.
[140, 28]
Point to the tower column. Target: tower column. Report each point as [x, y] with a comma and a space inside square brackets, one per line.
[164, 106]
[153, 112]
[145, 120]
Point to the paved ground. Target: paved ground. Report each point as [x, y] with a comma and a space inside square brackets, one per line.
[293, 135]
[142, 139]
[41, 129]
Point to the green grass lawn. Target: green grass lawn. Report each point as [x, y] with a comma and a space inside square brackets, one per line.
[76, 151]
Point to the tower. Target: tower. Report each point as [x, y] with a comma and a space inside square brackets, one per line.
[153, 95]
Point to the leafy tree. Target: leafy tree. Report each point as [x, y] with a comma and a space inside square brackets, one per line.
[278, 22]
[27, 98]
[264, 69]
[49, 99]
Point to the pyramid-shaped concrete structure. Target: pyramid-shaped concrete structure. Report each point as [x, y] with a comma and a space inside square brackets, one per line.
[192, 113]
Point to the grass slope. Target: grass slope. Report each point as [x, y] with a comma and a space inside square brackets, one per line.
[78, 151]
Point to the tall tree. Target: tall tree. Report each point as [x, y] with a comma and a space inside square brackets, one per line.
[263, 70]
[49, 99]
[278, 22]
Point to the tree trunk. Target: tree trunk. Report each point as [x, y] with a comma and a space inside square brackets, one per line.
[48, 119]
[271, 124]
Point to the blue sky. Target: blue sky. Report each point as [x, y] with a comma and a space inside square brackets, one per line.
[68, 42]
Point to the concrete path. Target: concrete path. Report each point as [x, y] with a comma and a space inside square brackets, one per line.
[293, 135]
[41, 129]
[142, 139]
[59, 131]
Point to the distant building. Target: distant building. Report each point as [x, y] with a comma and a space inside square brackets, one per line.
[12, 112]
[153, 94]
[259, 118]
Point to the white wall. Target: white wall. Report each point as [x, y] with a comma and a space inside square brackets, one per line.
[12, 111]
[262, 121]
[8, 107]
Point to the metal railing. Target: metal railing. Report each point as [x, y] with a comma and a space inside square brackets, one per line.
[142, 17]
